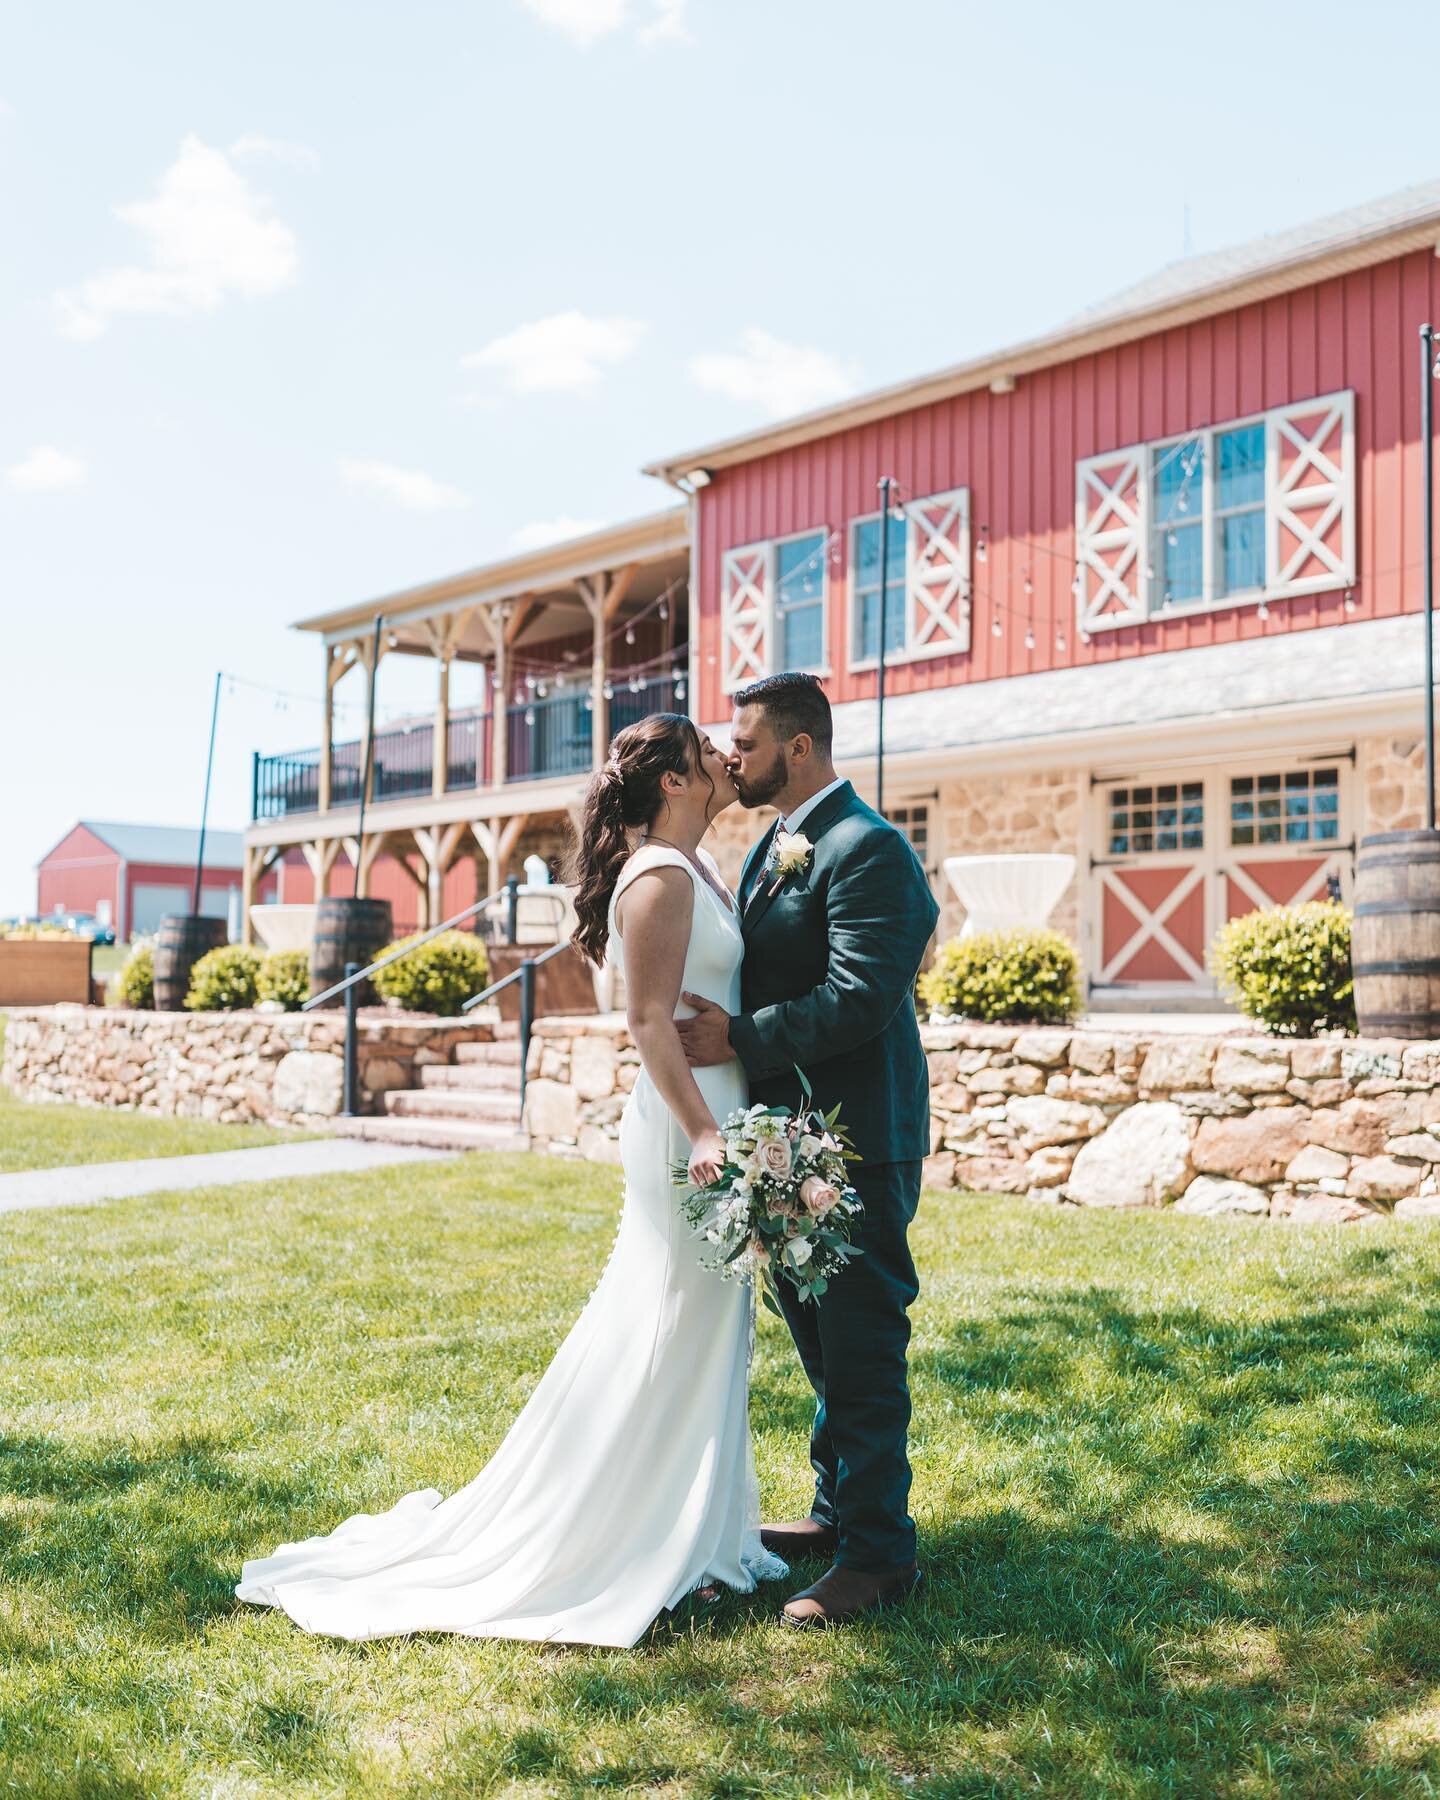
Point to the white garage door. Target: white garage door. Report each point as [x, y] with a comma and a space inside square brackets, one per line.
[151, 900]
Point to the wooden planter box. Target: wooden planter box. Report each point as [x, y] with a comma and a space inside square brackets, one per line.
[563, 985]
[44, 971]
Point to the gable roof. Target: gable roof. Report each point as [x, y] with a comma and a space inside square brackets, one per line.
[1195, 288]
[169, 843]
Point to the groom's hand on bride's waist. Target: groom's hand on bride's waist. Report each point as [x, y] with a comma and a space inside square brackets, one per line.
[705, 1039]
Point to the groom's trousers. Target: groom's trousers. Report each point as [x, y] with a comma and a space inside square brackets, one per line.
[852, 1343]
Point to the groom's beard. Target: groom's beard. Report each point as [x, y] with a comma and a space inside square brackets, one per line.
[762, 789]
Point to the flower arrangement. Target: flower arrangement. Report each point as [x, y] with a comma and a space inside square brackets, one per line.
[781, 1208]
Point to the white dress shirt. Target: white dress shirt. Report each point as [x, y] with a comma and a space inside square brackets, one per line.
[802, 812]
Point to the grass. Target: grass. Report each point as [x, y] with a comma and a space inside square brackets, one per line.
[1176, 1482]
[38, 1135]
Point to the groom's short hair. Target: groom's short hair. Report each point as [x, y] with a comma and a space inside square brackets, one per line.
[793, 703]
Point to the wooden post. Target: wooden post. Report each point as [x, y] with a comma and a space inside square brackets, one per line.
[321, 855]
[247, 892]
[440, 766]
[500, 700]
[602, 595]
[327, 742]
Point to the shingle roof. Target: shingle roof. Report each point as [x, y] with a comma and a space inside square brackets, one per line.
[1196, 274]
[169, 843]
[1167, 689]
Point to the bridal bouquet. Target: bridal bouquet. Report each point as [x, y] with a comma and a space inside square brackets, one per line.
[781, 1208]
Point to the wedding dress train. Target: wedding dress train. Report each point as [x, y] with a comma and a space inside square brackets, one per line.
[628, 1479]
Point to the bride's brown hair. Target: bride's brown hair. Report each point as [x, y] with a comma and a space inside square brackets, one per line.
[623, 796]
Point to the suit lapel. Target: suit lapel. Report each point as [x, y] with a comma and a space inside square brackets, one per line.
[754, 862]
[814, 828]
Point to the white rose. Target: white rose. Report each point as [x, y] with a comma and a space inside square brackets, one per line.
[809, 1146]
[799, 1250]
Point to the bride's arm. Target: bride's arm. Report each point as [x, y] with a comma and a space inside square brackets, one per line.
[658, 907]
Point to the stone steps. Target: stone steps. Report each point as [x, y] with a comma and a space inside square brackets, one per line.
[454, 1103]
[436, 1134]
[505, 1076]
[506, 1051]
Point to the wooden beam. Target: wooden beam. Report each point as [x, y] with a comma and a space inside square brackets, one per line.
[620, 586]
[523, 611]
[249, 881]
[320, 855]
[500, 700]
[510, 835]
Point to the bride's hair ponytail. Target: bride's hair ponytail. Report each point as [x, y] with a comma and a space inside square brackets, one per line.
[622, 797]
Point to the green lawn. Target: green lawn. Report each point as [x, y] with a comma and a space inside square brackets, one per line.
[37, 1135]
[1176, 1483]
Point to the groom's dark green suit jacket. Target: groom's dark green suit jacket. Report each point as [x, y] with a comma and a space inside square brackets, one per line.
[830, 964]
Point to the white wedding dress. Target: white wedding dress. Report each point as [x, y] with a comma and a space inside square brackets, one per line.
[628, 1480]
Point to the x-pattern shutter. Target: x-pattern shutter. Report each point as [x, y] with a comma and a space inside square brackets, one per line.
[937, 574]
[1310, 494]
[1110, 539]
[745, 613]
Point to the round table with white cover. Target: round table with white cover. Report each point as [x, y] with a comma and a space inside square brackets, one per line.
[1000, 892]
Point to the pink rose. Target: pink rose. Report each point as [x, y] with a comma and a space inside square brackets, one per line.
[818, 1196]
[775, 1157]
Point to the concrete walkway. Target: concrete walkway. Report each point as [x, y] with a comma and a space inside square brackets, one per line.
[83, 1184]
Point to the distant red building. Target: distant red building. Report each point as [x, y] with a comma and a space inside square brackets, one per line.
[129, 875]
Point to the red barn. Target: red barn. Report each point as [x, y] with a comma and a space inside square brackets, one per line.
[128, 875]
[1153, 587]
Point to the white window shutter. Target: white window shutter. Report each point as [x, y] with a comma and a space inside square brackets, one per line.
[1310, 495]
[937, 574]
[1110, 553]
[745, 613]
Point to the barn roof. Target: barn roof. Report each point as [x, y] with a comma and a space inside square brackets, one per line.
[1195, 288]
[169, 843]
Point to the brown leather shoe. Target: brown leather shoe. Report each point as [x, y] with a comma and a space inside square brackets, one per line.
[843, 1594]
[800, 1538]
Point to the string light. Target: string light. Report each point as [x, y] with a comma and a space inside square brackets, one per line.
[1029, 636]
[1262, 611]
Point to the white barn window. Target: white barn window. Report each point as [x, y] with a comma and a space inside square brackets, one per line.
[1253, 510]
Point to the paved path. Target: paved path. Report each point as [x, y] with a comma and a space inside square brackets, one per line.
[85, 1183]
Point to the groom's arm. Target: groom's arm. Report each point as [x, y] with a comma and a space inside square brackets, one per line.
[879, 914]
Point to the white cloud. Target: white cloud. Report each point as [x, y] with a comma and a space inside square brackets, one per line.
[779, 378]
[47, 470]
[209, 236]
[668, 25]
[541, 532]
[281, 150]
[413, 489]
[584, 22]
[557, 355]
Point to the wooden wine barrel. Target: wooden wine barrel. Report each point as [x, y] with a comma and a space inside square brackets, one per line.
[348, 931]
[182, 940]
[1395, 940]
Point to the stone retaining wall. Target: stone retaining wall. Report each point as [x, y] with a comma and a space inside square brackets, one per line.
[1331, 1129]
[237, 1067]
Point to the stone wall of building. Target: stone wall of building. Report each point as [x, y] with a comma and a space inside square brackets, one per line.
[1391, 774]
[237, 1067]
[1032, 810]
[1327, 1130]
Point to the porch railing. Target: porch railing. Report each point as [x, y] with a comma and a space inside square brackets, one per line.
[549, 737]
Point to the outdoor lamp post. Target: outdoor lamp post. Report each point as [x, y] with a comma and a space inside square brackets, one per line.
[1429, 373]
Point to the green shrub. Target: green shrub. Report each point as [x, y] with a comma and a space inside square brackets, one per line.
[285, 976]
[1024, 974]
[1289, 967]
[223, 980]
[135, 984]
[437, 978]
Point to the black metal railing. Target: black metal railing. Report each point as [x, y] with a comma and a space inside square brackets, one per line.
[552, 736]
[632, 703]
[544, 737]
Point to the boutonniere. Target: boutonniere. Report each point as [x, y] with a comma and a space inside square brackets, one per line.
[793, 851]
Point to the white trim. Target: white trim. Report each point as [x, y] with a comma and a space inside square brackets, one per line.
[1121, 554]
[747, 573]
[926, 611]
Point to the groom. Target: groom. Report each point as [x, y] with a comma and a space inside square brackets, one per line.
[835, 928]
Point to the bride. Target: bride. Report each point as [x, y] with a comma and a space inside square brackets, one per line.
[628, 1480]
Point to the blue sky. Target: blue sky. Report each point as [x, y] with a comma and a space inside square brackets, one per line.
[304, 303]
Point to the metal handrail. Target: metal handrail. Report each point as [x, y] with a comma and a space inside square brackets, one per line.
[525, 975]
[382, 962]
